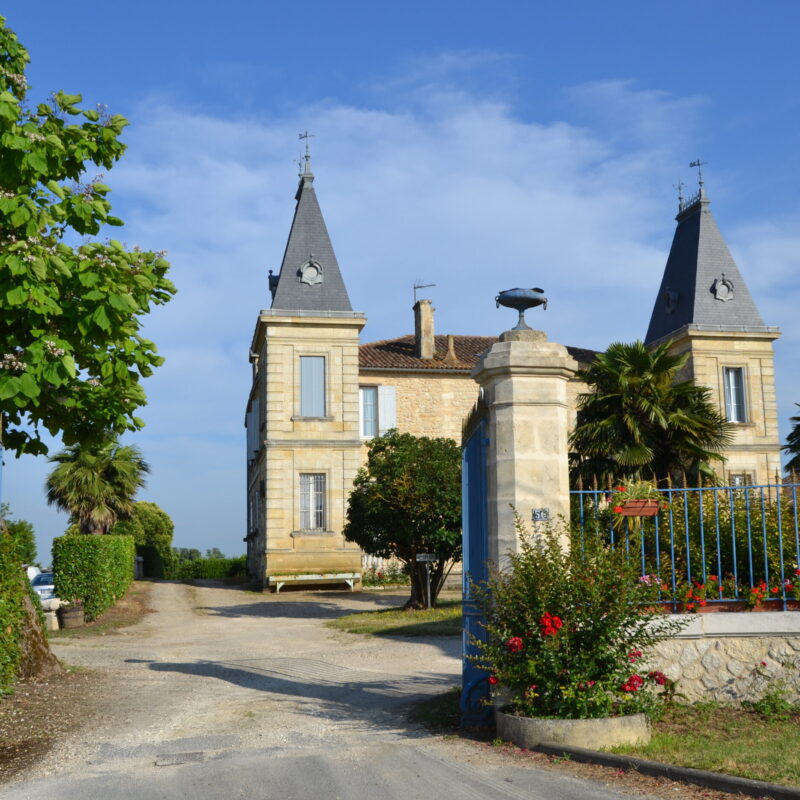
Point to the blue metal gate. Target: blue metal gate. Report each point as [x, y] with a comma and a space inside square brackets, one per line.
[474, 521]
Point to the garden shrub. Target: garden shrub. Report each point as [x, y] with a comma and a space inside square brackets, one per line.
[214, 568]
[152, 529]
[567, 630]
[96, 570]
[390, 574]
[12, 609]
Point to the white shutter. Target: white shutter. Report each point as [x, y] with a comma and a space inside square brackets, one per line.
[312, 386]
[255, 421]
[387, 409]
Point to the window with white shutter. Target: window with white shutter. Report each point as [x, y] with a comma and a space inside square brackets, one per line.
[312, 386]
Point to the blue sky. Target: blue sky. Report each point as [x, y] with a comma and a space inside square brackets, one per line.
[476, 146]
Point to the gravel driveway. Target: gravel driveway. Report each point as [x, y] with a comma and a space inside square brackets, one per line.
[224, 693]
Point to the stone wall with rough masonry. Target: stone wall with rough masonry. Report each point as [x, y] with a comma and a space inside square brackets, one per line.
[715, 656]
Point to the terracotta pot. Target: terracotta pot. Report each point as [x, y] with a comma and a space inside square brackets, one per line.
[640, 508]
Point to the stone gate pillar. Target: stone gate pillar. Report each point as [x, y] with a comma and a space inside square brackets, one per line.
[524, 380]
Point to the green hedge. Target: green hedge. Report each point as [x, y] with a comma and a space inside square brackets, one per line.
[12, 609]
[95, 569]
[211, 568]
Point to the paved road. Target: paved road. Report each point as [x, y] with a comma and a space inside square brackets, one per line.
[229, 694]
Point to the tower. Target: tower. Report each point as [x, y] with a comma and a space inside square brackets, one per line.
[303, 445]
[704, 307]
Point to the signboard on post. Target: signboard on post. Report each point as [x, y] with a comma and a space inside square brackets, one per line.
[427, 557]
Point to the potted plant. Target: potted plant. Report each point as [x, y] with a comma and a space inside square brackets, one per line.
[71, 613]
[637, 499]
[566, 635]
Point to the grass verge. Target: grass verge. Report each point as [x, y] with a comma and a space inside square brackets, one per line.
[440, 713]
[125, 612]
[725, 739]
[445, 620]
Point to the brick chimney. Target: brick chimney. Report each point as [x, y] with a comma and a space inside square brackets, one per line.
[424, 342]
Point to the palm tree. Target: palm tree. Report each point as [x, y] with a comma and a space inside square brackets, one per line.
[793, 444]
[96, 485]
[637, 421]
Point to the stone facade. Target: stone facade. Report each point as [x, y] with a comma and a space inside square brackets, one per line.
[428, 404]
[291, 445]
[754, 456]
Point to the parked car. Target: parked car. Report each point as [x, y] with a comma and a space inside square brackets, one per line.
[43, 585]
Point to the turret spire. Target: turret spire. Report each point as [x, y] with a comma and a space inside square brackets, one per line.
[309, 279]
[701, 285]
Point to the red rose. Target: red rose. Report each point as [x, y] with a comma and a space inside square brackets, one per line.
[515, 644]
[493, 680]
[619, 489]
[617, 509]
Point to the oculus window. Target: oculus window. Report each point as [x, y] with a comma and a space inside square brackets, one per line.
[312, 501]
[312, 386]
[733, 384]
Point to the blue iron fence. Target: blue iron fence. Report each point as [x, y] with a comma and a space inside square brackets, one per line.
[731, 544]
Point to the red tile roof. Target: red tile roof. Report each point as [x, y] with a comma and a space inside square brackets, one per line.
[398, 354]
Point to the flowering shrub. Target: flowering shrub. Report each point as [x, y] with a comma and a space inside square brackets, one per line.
[567, 630]
[390, 574]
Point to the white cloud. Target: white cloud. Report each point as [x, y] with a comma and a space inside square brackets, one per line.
[453, 187]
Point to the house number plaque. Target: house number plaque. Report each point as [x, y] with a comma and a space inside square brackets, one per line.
[540, 514]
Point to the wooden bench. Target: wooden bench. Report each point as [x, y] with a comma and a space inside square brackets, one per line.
[350, 578]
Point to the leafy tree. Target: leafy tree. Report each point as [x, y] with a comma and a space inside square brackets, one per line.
[639, 421]
[96, 485]
[187, 554]
[214, 552]
[71, 356]
[152, 529]
[21, 531]
[407, 500]
[793, 444]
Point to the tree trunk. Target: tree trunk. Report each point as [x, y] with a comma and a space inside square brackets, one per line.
[38, 661]
[419, 584]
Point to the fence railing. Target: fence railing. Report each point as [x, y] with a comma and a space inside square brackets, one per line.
[707, 546]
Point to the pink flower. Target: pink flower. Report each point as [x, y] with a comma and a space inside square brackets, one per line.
[515, 644]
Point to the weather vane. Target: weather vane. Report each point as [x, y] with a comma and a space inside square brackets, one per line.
[699, 164]
[306, 135]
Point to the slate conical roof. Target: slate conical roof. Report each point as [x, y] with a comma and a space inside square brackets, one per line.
[309, 279]
[702, 285]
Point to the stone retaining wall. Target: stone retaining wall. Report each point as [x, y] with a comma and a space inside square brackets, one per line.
[715, 656]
